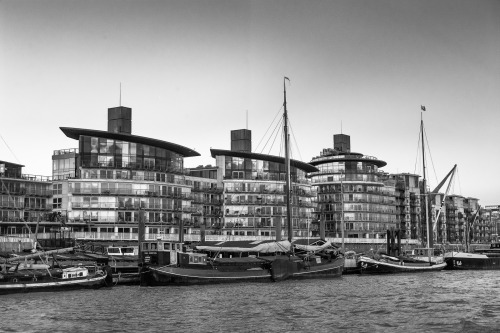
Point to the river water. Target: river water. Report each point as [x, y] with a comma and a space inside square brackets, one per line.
[446, 301]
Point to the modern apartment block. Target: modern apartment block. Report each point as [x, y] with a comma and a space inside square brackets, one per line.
[206, 192]
[101, 186]
[25, 204]
[408, 198]
[98, 188]
[254, 191]
[460, 211]
[489, 226]
[352, 187]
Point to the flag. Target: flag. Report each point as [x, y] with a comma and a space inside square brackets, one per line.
[422, 107]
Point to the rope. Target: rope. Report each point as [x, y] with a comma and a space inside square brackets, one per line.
[416, 159]
[9, 149]
[279, 111]
[220, 248]
[459, 186]
[278, 125]
[294, 140]
[430, 155]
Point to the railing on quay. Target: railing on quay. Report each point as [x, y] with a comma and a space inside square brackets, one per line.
[107, 236]
[34, 178]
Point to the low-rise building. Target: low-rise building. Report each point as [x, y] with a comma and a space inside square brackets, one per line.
[25, 202]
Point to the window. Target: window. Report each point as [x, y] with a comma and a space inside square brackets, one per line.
[56, 189]
[56, 203]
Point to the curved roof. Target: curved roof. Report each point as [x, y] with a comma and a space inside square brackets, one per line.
[11, 164]
[352, 157]
[74, 133]
[306, 167]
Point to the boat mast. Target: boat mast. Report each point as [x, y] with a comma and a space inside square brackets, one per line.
[287, 165]
[425, 187]
[342, 210]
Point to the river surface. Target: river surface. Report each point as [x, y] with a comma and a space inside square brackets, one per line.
[446, 301]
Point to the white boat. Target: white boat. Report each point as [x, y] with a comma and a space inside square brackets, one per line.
[387, 264]
[30, 280]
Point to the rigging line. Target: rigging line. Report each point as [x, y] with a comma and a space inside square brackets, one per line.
[17, 160]
[430, 155]
[277, 132]
[294, 140]
[279, 111]
[270, 136]
[282, 144]
[274, 133]
[418, 153]
[452, 185]
[459, 186]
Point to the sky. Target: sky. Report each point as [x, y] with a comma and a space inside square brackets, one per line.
[192, 71]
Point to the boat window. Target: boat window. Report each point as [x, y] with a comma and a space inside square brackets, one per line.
[113, 250]
[153, 246]
[127, 250]
[166, 246]
[145, 246]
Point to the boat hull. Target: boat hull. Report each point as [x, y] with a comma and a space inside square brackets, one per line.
[372, 266]
[471, 261]
[126, 278]
[280, 269]
[167, 275]
[53, 284]
[323, 269]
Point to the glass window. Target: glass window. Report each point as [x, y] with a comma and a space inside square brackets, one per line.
[94, 144]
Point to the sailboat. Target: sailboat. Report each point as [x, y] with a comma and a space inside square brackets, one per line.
[424, 260]
[167, 262]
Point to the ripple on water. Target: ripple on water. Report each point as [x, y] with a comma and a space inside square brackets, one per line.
[442, 302]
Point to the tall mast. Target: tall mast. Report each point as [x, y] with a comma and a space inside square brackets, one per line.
[287, 166]
[342, 210]
[425, 187]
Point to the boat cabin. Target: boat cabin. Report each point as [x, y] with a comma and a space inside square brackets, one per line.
[122, 250]
[423, 252]
[494, 250]
[169, 253]
[495, 246]
[75, 272]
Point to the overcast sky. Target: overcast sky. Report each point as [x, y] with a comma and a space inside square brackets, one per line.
[191, 70]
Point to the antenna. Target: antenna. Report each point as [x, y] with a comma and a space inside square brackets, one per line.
[120, 94]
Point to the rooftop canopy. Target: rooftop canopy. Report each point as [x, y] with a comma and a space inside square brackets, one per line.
[347, 157]
[271, 158]
[74, 133]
